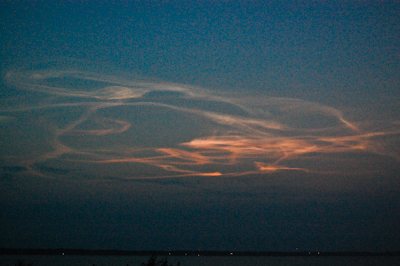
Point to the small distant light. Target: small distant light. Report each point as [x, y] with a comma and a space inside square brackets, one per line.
[318, 253]
[231, 253]
[62, 254]
[169, 253]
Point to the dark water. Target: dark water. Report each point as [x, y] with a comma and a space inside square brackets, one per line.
[11, 260]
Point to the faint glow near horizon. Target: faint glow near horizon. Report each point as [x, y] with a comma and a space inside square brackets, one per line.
[119, 121]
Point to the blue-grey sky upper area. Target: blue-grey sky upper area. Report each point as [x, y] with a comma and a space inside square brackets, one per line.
[236, 125]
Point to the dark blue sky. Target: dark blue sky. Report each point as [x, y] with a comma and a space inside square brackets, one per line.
[211, 125]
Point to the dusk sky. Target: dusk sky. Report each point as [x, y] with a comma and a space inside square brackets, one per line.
[200, 125]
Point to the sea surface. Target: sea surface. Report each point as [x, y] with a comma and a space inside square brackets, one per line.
[40, 260]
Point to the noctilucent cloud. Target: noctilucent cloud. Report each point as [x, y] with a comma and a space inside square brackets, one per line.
[200, 126]
[107, 127]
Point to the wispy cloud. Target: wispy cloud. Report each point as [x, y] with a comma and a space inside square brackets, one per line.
[231, 135]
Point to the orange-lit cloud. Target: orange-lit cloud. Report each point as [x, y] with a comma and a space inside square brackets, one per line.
[235, 136]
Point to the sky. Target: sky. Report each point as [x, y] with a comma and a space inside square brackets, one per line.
[200, 125]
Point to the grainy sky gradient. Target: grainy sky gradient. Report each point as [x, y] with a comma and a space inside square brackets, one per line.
[207, 125]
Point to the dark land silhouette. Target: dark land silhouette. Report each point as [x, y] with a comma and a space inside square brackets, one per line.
[66, 252]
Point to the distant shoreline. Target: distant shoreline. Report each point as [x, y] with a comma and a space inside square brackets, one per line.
[88, 252]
